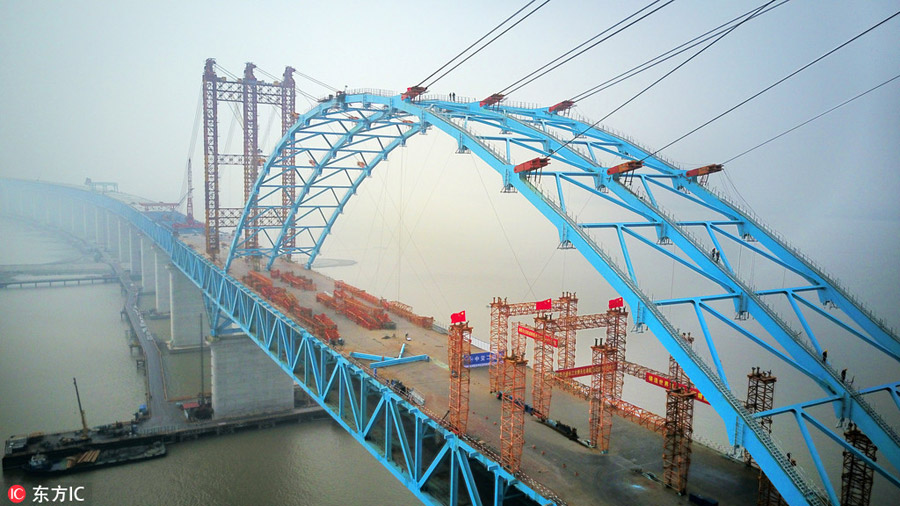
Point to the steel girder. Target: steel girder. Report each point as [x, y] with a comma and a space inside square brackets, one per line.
[577, 149]
[436, 465]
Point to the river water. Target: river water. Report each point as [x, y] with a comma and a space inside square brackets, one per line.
[50, 335]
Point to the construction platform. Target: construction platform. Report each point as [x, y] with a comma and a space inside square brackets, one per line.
[632, 470]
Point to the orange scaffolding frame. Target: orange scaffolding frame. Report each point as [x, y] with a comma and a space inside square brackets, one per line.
[501, 311]
[679, 426]
[459, 347]
[856, 479]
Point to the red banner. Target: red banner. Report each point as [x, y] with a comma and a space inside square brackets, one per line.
[458, 317]
[655, 379]
[541, 338]
[614, 303]
[543, 305]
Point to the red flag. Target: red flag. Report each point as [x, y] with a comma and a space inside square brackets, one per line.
[543, 305]
[614, 303]
[458, 317]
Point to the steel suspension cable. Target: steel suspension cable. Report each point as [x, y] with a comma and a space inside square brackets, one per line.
[685, 62]
[776, 83]
[696, 41]
[488, 43]
[476, 42]
[810, 120]
[576, 48]
[719, 37]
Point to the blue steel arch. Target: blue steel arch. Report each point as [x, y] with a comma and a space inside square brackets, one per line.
[345, 137]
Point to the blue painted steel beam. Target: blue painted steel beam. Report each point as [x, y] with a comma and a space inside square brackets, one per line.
[397, 361]
[328, 377]
[531, 129]
[367, 356]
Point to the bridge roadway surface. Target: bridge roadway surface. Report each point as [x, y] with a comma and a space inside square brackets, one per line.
[579, 475]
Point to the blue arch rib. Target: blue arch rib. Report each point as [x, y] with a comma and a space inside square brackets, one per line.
[531, 129]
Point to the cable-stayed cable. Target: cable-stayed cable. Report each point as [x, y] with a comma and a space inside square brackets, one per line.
[553, 65]
[523, 18]
[810, 120]
[776, 83]
[752, 14]
[576, 48]
[451, 60]
[667, 55]
[685, 62]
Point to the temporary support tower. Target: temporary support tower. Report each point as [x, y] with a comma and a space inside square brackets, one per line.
[596, 401]
[679, 427]
[569, 309]
[500, 313]
[607, 365]
[760, 397]
[612, 377]
[512, 405]
[856, 480]
[459, 348]
[249, 92]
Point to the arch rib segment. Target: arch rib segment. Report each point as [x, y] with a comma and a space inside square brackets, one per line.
[853, 407]
[741, 430]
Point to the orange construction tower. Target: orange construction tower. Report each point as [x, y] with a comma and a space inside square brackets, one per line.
[856, 480]
[500, 314]
[459, 349]
[760, 397]
[679, 426]
[499, 337]
[568, 309]
[512, 407]
[541, 379]
[612, 377]
[607, 370]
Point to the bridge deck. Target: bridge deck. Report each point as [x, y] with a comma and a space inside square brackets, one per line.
[577, 474]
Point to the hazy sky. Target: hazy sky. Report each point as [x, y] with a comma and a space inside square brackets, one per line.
[109, 90]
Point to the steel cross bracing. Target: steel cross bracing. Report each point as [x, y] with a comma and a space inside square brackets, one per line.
[330, 139]
[438, 466]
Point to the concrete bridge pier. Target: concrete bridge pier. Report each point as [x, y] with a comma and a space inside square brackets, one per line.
[245, 380]
[148, 265]
[124, 250]
[75, 219]
[134, 250]
[188, 320]
[112, 234]
[100, 231]
[90, 223]
[161, 285]
[82, 220]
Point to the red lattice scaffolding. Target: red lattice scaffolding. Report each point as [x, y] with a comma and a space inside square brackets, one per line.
[768, 495]
[569, 309]
[679, 426]
[249, 92]
[856, 480]
[541, 384]
[499, 335]
[760, 397]
[511, 388]
[612, 355]
[459, 346]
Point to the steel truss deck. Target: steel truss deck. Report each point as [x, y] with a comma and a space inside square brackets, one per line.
[435, 464]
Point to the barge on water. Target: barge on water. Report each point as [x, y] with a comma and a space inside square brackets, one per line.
[94, 459]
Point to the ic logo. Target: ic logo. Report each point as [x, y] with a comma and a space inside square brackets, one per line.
[16, 493]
